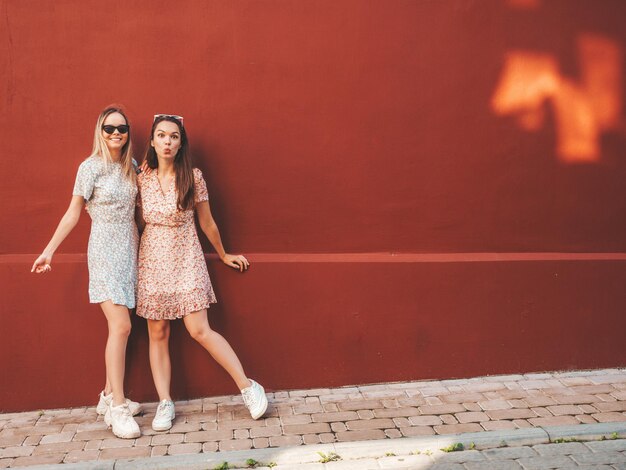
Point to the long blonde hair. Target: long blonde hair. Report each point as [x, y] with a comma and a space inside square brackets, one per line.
[101, 150]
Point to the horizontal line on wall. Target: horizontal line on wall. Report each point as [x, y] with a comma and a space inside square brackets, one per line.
[427, 257]
[366, 257]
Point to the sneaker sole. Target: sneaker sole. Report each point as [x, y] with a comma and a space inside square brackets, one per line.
[257, 415]
[161, 428]
[129, 436]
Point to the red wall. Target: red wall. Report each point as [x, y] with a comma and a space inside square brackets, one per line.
[327, 127]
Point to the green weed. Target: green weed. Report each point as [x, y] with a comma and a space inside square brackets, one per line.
[331, 457]
[456, 447]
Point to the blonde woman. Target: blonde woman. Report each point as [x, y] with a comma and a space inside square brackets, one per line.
[106, 183]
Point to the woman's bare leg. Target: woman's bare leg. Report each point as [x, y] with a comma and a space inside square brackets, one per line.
[118, 320]
[197, 325]
[107, 386]
[159, 332]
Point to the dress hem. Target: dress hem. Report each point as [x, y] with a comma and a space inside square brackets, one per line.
[175, 316]
[124, 304]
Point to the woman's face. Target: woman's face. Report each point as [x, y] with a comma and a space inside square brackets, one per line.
[166, 140]
[116, 140]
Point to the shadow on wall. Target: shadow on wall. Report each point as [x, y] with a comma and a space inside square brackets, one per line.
[583, 108]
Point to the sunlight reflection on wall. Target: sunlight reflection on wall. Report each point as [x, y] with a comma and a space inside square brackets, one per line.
[583, 108]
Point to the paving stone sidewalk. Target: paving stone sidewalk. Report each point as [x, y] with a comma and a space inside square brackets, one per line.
[322, 416]
[583, 446]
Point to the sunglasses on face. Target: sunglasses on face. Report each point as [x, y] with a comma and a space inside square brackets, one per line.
[173, 116]
[123, 129]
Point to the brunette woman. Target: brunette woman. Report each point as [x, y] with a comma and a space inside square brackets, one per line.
[106, 183]
[173, 281]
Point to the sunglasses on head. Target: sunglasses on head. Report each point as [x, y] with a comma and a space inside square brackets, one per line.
[173, 116]
[123, 129]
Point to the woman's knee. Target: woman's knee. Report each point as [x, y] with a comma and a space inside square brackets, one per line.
[118, 319]
[200, 334]
[120, 328]
[159, 331]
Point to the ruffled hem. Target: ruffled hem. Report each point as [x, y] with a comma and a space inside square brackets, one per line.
[171, 306]
[120, 296]
[117, 301]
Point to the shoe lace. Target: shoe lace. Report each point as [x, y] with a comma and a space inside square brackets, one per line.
[249, 397]
[123, 413]
[164, 408]
[126, 412]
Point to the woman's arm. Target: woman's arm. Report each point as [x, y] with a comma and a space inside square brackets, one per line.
[139, 220]
[209, 227]
[67, 224]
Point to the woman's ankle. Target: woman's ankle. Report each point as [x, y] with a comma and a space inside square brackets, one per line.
[244, 384]
[118, 400]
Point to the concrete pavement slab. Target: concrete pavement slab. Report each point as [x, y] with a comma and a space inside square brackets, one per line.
[589, 432]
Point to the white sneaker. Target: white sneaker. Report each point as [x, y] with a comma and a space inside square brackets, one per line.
[122, 422]
[105, 400]
[255, 399]
[164, 415]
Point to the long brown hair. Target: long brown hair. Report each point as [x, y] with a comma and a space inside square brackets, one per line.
[182, 164]
[101, 150]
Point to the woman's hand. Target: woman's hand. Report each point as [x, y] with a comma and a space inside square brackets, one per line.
[236, 261]
[42, 264]
[66, 225]
[145, 168]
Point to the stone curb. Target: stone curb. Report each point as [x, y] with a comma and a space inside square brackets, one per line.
[307, 455]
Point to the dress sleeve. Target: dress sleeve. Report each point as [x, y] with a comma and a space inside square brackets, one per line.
[85, 180]
[200, 191]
